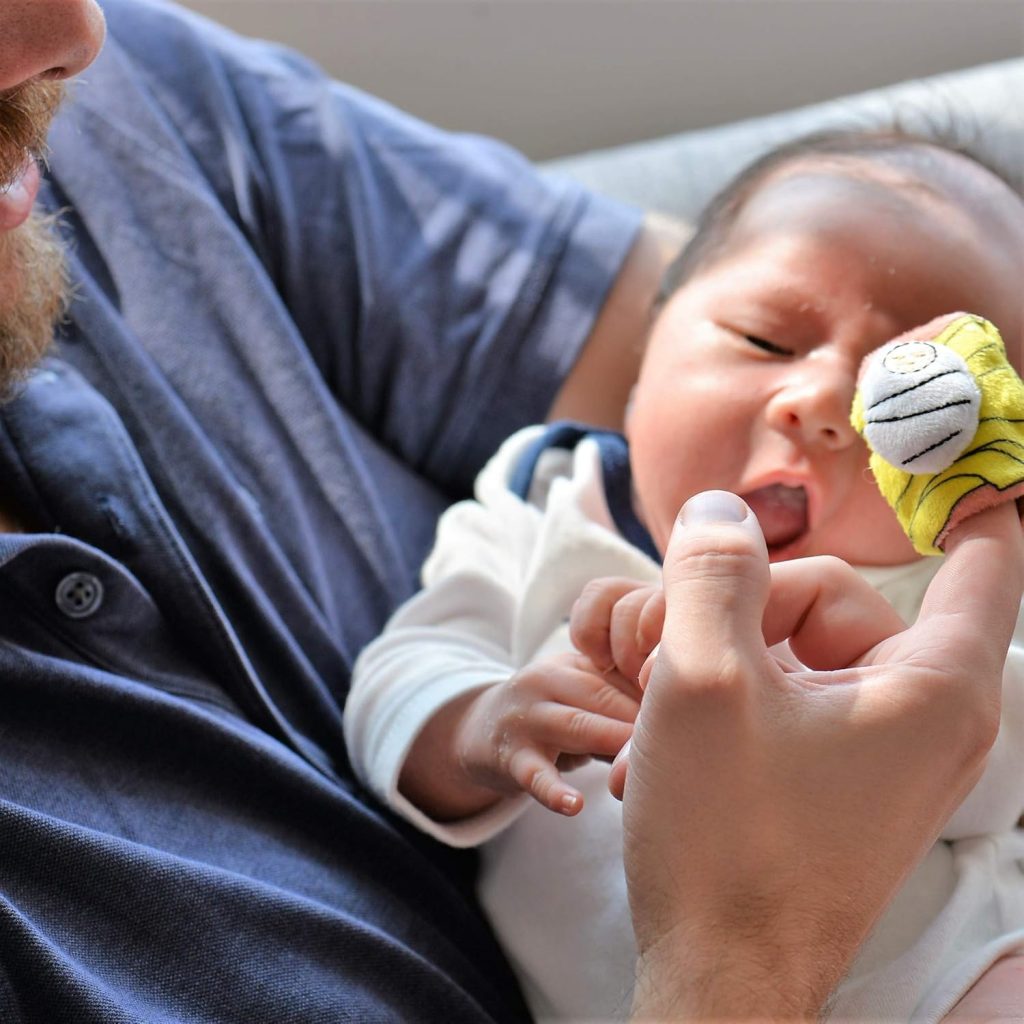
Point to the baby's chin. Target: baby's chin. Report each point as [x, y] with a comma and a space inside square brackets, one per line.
[870, 550]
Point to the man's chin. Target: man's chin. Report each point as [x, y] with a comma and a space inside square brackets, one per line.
[33, 297]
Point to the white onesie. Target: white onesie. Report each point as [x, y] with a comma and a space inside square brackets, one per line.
[498, 587]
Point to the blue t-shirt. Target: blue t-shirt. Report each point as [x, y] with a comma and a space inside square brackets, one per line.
[301, 321]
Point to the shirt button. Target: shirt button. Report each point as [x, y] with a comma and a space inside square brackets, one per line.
[79, 595]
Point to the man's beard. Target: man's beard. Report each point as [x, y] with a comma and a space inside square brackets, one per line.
[33, 278]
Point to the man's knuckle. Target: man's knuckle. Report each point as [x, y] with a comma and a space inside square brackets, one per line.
[719, 676]
[980, 726]
[832, 573]
[728, 561]
[718, 590]
[973, 713]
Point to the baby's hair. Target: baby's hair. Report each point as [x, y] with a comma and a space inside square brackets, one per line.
[720, 215]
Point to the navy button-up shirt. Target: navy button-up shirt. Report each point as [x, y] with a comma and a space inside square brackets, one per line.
[301, 320]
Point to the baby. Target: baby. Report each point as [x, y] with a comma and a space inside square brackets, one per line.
[475, 699]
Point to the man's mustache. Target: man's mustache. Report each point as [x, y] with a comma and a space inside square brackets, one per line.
[25, 116]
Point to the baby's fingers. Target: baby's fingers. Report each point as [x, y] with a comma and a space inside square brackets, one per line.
[609, 694]
[571, 730]
[636, 624]
[536, 774]
[591, 615]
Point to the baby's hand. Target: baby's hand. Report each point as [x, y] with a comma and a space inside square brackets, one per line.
[617, 623]
[553, 714]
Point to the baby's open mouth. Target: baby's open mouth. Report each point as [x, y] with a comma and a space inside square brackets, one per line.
[781, 511]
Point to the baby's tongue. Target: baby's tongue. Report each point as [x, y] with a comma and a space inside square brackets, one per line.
[781, 511]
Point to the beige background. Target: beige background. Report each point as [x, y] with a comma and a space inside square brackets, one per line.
[562, 76]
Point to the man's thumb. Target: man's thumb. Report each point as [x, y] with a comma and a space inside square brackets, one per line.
[716, 581]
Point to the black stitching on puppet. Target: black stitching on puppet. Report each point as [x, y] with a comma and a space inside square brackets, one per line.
[935, 483]
[913, 387]
[990, 446]
[923, 412]
[978, 352]
[931, 447]
[991, 369]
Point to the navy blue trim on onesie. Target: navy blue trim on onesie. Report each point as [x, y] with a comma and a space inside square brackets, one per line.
[615, 475]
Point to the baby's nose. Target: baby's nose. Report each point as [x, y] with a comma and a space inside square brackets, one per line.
[814, 408]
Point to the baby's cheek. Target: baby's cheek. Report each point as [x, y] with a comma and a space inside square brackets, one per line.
[876, 537]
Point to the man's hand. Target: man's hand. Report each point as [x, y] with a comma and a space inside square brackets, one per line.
[598, 387]
[771, 814]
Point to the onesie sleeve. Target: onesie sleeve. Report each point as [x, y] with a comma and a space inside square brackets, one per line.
[443, 284]
[453, 637]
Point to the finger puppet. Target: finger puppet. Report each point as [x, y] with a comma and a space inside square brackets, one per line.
[942, 411]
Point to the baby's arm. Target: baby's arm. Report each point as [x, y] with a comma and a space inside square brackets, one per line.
[431, 720]
[516, 735]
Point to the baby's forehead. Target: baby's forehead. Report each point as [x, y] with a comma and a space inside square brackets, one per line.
[813, 195]
[916, 177]
[948, 225]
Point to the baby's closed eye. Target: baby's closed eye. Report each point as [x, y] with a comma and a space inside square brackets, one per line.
[768, 346]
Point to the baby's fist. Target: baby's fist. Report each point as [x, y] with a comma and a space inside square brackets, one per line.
[617, 622]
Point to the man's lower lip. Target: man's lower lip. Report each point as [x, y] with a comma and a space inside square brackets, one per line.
[17, 199]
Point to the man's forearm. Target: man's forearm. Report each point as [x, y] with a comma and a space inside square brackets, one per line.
[599, 385]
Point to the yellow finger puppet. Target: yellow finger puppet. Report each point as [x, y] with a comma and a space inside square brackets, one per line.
[942, 411]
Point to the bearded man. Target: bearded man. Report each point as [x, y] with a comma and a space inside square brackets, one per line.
[256, 330]
[32, 280]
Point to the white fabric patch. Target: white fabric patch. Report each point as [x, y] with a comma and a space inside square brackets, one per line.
[920, 405]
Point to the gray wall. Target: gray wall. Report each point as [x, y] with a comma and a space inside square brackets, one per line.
[562, 76]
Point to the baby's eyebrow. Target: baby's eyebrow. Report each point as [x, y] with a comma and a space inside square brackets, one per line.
[779, 284]
[786, 307]
[798, 296]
